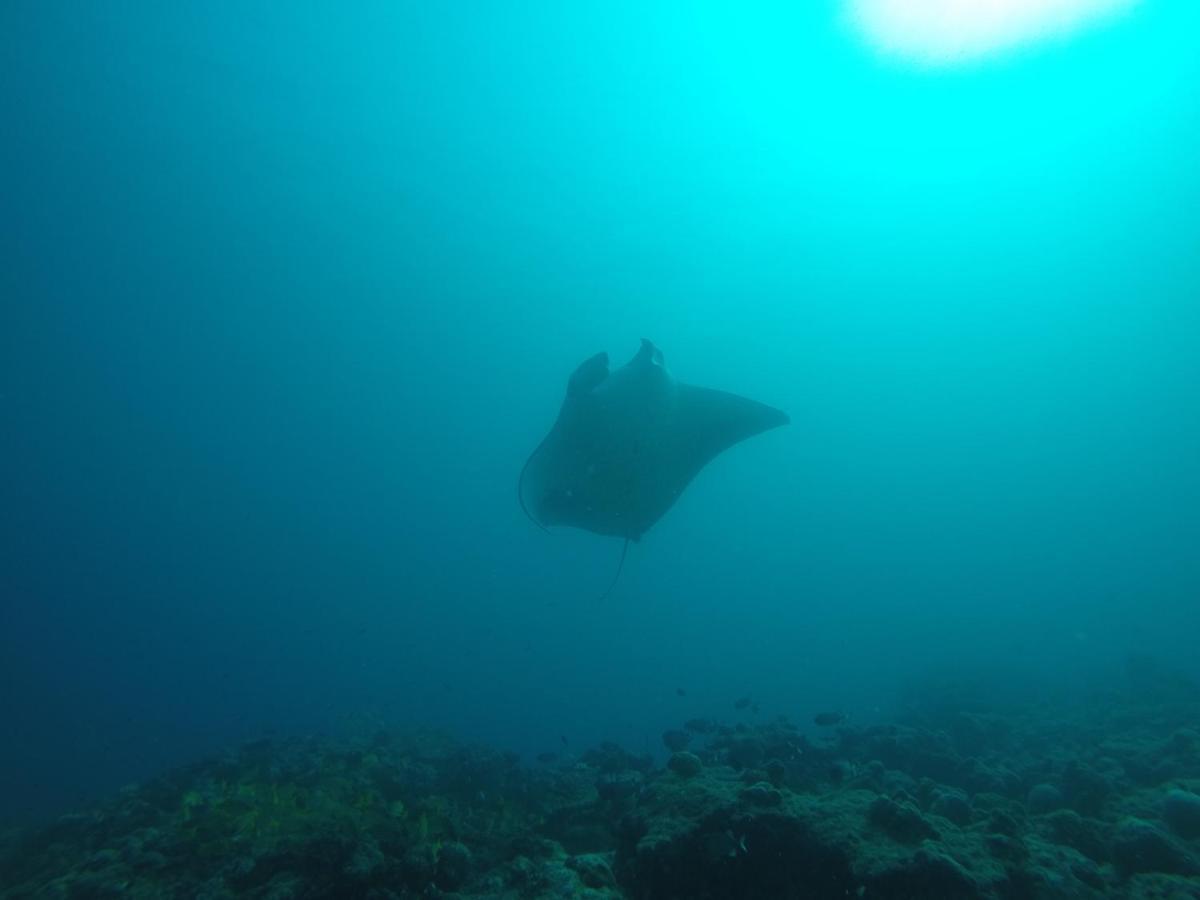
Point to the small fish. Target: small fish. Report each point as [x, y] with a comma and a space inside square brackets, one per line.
[739, 844]
[726, 843]
[680, 692]
[828, 719]
[742, 702]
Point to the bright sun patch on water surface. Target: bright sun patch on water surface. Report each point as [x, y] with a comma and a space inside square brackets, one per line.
[944, 32]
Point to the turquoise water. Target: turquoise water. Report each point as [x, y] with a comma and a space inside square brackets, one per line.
[291, 294]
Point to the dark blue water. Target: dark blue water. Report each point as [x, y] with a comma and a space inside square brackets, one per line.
[290, 294]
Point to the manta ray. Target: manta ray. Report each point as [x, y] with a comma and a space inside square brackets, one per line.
[627, 442]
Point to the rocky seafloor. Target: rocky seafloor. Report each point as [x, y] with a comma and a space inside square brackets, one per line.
[955, 800]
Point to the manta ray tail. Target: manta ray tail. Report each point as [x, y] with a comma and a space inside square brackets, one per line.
[621, 565]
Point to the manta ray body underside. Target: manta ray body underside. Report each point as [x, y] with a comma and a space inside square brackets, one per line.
[627, 442]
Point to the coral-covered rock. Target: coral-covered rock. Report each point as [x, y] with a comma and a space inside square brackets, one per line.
[900, 821]
[927, 873]
[595, 870]
[1044, 798]
[1067, 827]
[454, 865]
[1181, 811]
[685, 764]
[616, 788]
[1060, 873]
[1085, 788]
[747, 811]
[1139, 846]
[953, 805]
[761, 794]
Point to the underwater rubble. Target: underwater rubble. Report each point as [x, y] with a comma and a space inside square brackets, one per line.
[1089, 801]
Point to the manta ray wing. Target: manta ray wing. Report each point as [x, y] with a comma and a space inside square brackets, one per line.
[707, 422]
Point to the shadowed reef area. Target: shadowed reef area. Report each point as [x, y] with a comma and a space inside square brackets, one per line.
[956, 798]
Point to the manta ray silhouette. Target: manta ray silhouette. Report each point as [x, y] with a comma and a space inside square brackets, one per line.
[626, 443]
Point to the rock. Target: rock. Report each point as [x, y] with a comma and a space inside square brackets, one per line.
[953, 805]
[365, 861]
[872, 775]
[1138, 846]
[594, 870]
[1181, 811]
[1184, 741]
[1006, 847]
[1002, 821]
[925, 874]
[893, 782]
[1086, 790]
[1060, 873]
[102, 859]
[762, 794]
[840, 771]
[720, 851]
[1044, 798]
[1067, 827]
[554, 878]
[454, 865]
[615, 788]
[1155, 886]
[420, 863]
[979, 777]
[685, 764]
[902, 822]
[917, 752]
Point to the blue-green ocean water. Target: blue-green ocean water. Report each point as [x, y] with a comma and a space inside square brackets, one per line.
[290, 291]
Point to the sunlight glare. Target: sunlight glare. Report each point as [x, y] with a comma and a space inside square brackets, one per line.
[942, 32]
